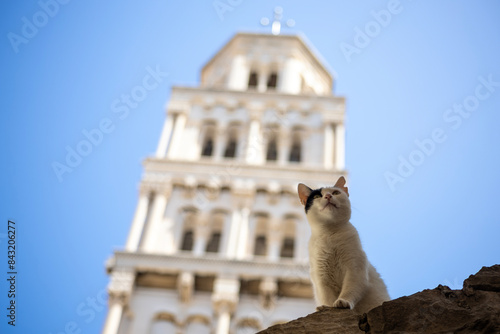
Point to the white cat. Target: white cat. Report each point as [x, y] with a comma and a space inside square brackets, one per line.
[341, 274]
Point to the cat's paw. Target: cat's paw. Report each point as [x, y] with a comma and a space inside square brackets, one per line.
[323, 307]
[342, 303]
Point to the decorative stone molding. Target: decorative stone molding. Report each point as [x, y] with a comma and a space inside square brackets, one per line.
[121, 285]
[176, 170]
[212, 264]
[190, 185]
[178, 107]
[185, 285]
[275, 232]
[147, 187]
[273, 191]
[243, 187]
[268, 290]
[226, 295]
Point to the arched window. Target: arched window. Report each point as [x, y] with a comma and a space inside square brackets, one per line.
[188, 222]
[197, 324]
[163, 323]
[272, 81]
[214, 242]
[295, 151]
[287, 247]
[248, 326]
[187, 241]
[272, 149]
[232, 142]
[288, 243]
[217, 220]
[230, 151]
[260, 234]
[296, 148]
[252, 80]
[260, 247]
[207, 146]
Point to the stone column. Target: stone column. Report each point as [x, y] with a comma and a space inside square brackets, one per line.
[284, 145]
[233, 234]
[254, 147]
[176, 140]
[220, 142]
[119, 290]
[275, 236]
[201, 234]
[238, 76]
[225, 299]
[340, 146]
[155, 219]
[116, 305]
[223, 319]
[291, 80]
[134, 237]
[252, 222]
[170, 224]
[329, 146]
[262, 83]
[166, 133]
[241, 250]
[226, 230]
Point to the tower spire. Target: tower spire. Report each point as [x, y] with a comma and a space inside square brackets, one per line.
[276, 24]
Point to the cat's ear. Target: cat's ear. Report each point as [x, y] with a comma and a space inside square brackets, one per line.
[304, 192]
[341, 184]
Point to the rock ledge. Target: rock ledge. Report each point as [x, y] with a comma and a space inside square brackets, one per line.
[474, 309]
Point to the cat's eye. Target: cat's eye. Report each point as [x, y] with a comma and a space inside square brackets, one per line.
[336, 192]
[316, 196]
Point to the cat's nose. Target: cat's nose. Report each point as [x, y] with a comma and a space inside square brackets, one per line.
[328, 196]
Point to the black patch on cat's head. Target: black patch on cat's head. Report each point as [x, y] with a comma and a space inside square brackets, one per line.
[310, 199]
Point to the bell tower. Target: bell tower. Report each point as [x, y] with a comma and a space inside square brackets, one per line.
[218, 242]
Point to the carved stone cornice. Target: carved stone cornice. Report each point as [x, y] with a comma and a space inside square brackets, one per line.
[226, 295]
[185, 285]
[203, 171]
[121, 285]
[213, 265]
[161, 187]
[268, 289]
[176, 107]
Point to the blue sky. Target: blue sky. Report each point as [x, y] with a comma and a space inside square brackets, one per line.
[435, 222]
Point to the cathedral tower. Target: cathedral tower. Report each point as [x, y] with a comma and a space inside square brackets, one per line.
[218, 243]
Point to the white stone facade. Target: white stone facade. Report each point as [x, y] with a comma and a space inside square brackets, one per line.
[218, 243]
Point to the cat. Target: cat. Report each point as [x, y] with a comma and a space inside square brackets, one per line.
[341, 274]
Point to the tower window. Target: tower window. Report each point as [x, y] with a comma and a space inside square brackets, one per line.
[252, 80]
[208, 146]
[272, 81]
[295, 151]
[272, 150]
[260, 247]
[213, 243]
[287, 247]
[187, 241]
[230, 151]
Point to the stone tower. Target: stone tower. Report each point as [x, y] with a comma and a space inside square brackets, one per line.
[218, 243]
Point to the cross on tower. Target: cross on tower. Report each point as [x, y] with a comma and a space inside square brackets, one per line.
[276, 25]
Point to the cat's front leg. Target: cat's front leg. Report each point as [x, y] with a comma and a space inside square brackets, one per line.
[354, 287]
[324, 296]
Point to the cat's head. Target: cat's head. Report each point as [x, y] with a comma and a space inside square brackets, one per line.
[328, 204]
